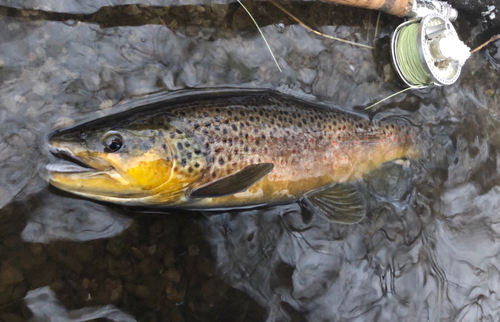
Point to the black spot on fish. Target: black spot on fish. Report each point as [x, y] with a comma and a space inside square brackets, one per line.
[160, 133]
[246, 149]
[217, 110]
[234, 127]
[197, 152]
[205, 132]
[183, 162]
[263, 137]
[214, 175]
[178, 131]
[176, 156]
[280, 118]
[253, 150]
[242, 113]
[172, 135]
[205, 114]
[229, 113]
[255, 131]
[196, 126]
[251, 119]
[190, 169]
[242, 125]
[164, 146]
[224, 131]
[189, 155]
[217, 128]
[182, 113]
[196, 165]
[261, 113]
[187, 145]
[221, 161]
[236, 118]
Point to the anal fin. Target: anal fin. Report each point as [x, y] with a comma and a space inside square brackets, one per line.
[342, 203]
[234, 183]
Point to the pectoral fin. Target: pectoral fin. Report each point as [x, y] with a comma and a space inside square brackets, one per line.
[342, 203]
[234, 183]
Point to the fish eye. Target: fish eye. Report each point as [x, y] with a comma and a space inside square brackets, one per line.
[112, 142]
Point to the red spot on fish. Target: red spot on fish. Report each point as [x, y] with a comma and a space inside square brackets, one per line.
[293, 151]
[344, 128]
[345, 159]
[311, 141]
[366, 138]
[265, 150]
[251, 161]
[325, 158]
[335, 143]
[409, 135]
[395, 139]
[282, 162]
[251, 138]
[381, 140]
[336, 166]
[370, 155]
[293, 174]
[279, 139]
[357, 142]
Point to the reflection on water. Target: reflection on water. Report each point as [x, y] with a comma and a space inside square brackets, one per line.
[428, 249]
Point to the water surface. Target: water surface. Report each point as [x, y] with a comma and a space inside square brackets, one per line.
[427, 251]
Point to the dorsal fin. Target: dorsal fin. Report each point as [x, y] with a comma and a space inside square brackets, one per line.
[234, 183]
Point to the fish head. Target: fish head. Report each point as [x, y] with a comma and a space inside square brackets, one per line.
[139, 163]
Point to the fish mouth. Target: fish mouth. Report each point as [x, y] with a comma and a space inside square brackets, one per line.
[69, 163]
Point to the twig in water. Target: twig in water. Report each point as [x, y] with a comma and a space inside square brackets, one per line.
[369, 26]
[491, 39]
[261, 33]
[314, 31]
[376, 27]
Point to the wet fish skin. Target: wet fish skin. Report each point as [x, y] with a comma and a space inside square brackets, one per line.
[170, 151]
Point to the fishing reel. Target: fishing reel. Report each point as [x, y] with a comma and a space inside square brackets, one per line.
[426, 50]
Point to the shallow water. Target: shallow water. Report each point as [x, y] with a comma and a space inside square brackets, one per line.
[428, 249]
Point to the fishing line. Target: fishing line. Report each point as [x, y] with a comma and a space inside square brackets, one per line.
[262, 34]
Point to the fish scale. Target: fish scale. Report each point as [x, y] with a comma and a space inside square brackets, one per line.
[293, 136]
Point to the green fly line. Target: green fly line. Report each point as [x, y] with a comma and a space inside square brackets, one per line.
[409, 57]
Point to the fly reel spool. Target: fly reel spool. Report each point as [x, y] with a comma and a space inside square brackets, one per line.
[428, 51]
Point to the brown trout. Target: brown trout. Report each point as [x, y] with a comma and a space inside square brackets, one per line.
[228, 151]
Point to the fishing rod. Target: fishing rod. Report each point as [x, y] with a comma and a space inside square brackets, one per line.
[425, 50]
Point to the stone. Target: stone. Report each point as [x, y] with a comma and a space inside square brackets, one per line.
[10, 275]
